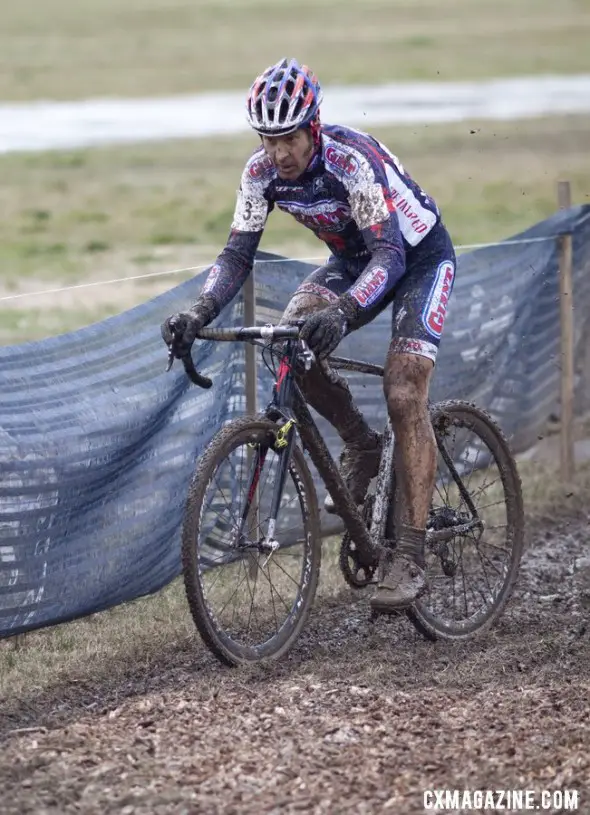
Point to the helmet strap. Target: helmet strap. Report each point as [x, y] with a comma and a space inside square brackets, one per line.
[316, 130]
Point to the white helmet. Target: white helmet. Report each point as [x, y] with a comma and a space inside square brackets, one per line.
[284, 98]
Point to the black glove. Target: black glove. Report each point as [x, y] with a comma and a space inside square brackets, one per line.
[323, 330]
[180, 330]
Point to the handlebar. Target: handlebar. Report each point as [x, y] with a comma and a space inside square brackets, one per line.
[189, 366]
[264, 332]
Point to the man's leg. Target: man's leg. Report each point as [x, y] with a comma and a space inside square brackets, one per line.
[328, 392]
[406, 385]
[418, 317]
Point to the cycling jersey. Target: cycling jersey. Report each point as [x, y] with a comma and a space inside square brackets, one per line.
[355, 196]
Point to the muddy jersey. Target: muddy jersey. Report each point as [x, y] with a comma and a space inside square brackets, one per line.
[355, 196]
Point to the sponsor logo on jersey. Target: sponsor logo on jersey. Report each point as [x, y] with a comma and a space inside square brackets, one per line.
[212, 277]
[329, 216]
[345, 162]
[399, 203]
[260, 167]
[370, 286]
[435, 311]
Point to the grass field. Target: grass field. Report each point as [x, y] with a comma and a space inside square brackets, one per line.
[61, 50]
[118, 212]
[122, 212]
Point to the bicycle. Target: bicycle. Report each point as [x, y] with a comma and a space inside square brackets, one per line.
[226, 538]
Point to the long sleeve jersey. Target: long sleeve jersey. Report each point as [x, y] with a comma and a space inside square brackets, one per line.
[355, 196]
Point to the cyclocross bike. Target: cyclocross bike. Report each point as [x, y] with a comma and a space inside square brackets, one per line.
[251, 538]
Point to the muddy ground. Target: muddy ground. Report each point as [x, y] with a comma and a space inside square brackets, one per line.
[361, 718]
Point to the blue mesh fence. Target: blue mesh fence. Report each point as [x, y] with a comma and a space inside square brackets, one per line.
[98, 443]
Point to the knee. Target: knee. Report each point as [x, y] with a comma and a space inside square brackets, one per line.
[406, 392]
[405, 401]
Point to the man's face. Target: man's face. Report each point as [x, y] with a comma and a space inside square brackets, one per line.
[289, 154]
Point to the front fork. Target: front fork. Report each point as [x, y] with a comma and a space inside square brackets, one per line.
[283, 445]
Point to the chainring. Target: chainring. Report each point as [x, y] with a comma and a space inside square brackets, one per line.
[355, 574]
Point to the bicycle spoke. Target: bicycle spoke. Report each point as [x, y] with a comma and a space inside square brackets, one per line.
[483, 542]
[252, 593]
[252, 596]
[286, 573]
[271, 585]
[232, 597]
[226, 502]
[494, 504]
[471, 483]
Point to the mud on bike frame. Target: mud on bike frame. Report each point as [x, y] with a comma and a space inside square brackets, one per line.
[288, 410]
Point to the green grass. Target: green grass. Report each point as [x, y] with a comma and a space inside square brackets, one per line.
[116, 212]
[25, 325]
[64, 49]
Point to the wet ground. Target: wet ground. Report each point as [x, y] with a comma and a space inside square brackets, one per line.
[362, 717]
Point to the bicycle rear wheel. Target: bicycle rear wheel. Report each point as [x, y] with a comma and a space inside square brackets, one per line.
[249, 602]
[478, 517]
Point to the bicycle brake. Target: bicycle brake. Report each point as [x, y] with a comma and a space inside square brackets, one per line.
[306, 355]
[171, 355]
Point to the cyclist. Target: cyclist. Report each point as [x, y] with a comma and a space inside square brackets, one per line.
[387, 245]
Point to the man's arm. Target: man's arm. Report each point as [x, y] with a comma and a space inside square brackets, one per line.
[233, 265]
[377, 219]
[323, 330]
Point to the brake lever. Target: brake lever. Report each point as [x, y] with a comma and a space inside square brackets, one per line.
[189, 366]
[307, 355]
[171, 355]
[171, 358]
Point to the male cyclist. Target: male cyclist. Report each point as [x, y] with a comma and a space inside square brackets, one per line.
[387, 245]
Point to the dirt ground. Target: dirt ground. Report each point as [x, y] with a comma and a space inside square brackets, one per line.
[361, 718]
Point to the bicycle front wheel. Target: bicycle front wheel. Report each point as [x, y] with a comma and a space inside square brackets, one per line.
[250, 601]
[475, 529]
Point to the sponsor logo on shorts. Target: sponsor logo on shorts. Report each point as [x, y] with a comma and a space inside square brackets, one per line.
[435, 311]
[403, 345]
[370, 286]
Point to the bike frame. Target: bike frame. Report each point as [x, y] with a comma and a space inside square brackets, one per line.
[289, 411]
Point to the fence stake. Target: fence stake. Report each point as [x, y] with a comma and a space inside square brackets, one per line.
[567, 339]
[250, 319]
[253, 527]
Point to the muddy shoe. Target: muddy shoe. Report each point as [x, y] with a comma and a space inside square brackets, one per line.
[401, 582]
[357, 468]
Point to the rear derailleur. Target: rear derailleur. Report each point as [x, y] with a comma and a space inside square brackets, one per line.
[445, 518]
